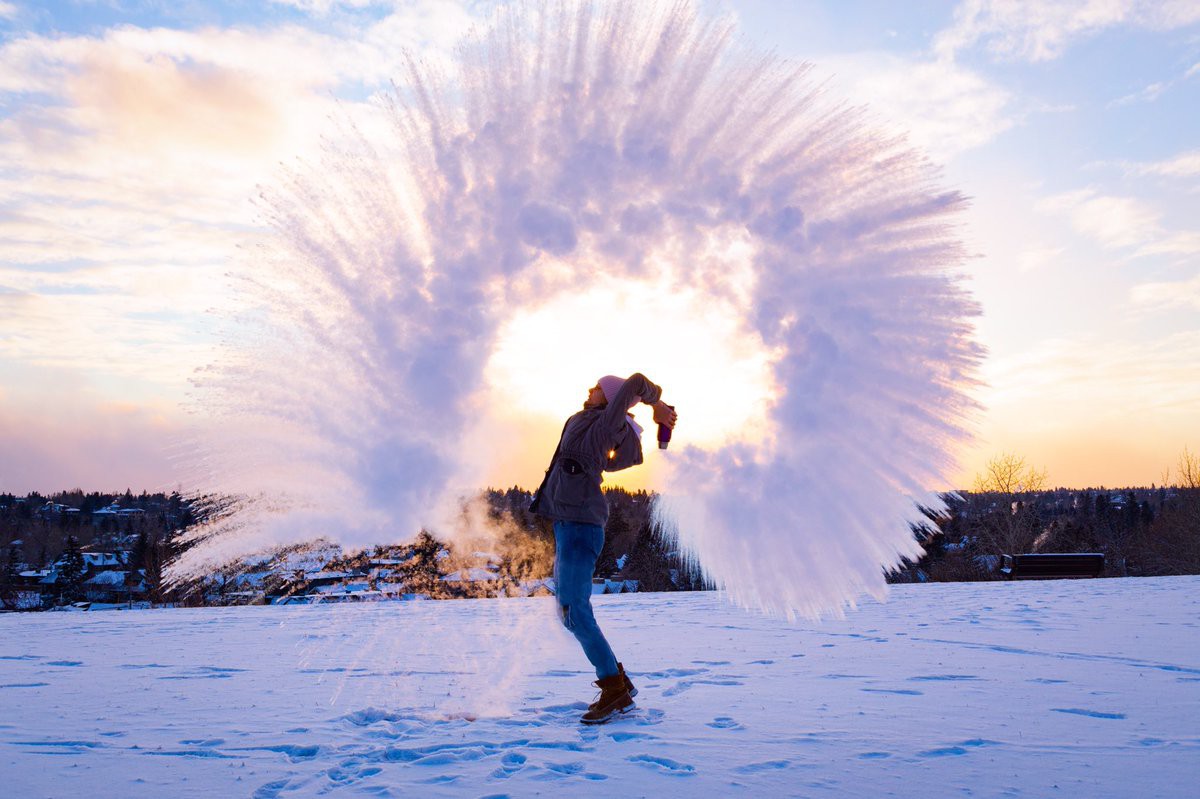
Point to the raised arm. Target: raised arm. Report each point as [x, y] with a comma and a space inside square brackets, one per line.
[637, 387]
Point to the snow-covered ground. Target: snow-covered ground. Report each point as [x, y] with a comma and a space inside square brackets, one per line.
[1063, 688]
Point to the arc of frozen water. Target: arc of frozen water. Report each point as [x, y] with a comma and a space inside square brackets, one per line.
[607, 137]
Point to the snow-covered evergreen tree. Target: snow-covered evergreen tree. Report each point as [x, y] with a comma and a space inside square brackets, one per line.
[72, 570]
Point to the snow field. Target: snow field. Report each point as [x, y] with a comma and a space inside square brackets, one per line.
[1063, 688]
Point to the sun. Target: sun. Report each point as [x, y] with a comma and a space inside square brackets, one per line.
[717, 374]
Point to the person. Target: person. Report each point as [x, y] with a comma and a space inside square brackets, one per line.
[603, 437]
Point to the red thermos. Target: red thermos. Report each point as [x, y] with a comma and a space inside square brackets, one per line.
[664, 433]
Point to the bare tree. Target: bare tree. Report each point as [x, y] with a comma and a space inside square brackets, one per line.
[1008, 473]
[1189, 469]
[1008, 522]
[1172, 543]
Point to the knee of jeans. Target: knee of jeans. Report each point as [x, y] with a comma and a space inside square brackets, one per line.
[564, 615]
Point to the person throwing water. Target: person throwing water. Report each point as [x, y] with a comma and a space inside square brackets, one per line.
[603, 437]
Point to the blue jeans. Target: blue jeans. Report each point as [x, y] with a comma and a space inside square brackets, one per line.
[577, 546]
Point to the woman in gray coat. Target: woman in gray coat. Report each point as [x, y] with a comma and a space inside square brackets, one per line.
[602, 437]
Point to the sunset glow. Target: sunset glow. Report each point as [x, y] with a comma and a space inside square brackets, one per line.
[717, 374]
[135, 138]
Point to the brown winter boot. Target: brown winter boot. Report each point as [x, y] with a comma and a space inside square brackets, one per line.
[614, 698]
[628, 682]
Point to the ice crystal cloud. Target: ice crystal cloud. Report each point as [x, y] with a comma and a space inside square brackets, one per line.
[579, 144]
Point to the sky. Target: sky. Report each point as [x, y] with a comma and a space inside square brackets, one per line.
[133, 136]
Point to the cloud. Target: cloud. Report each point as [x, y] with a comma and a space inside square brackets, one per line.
[325, 7]
[1033, 30]
[8, 10]
[162, 103]
[1179, 243]
[128, 162]
[1115, 222]
[946, 108]
[1094, 410]
[1168, 296]
[1120, 223]
[1184, 165]
[1091, 383]
[1153, 91]
[1146, 95]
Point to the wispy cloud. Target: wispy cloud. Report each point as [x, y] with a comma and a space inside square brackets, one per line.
[1169, 295]
[128, 161]
[1033, 30]
[946, 107]
[1119, 223]
[8, 10]
[1115, 222]
[1146, 95]
[324, 7]
[1155, 90]
[1090, 380]
[1184, 165]
[1094, 409]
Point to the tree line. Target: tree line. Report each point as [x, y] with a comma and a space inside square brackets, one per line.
[1142, 531]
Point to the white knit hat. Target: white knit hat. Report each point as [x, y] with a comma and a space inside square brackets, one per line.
[610, 385]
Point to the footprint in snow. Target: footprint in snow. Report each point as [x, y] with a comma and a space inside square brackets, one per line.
[724, 723]
[270, 790]
[945, 751]
[957, 750]
[663, 764]
[648, 717]
[684, 685]
[510, 764]
[658, 675]
[766, 765]
[1095, 714]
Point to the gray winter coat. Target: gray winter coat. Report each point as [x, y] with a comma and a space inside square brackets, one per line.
[594, 440]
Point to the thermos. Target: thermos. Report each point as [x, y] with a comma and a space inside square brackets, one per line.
[664, 433]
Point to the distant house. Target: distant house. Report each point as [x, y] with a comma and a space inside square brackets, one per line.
[38, 579]
[322, 586]
[100, 561]
[320, 579]
[474, 582]
[51, 509]
[601, 585]
[473, 575]
[113, 586]
[542, 587]
[101, 571]
[389, 562]
[115, 511]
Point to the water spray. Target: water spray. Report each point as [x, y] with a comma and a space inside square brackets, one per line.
[573, 144]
